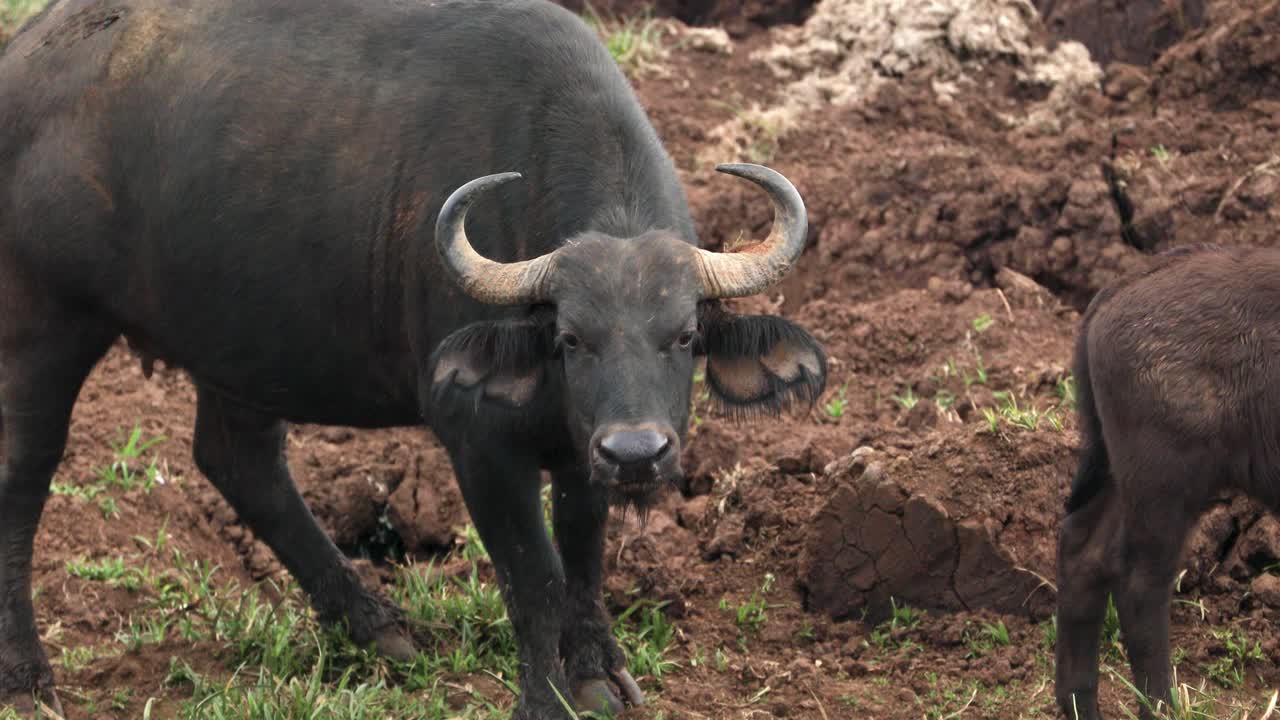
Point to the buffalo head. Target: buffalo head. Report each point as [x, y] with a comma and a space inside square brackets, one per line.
[614, 333]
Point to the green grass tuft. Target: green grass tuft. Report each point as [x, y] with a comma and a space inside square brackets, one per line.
[637, 43]
[13, 13]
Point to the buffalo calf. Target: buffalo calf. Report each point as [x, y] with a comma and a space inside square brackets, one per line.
[1178, 380]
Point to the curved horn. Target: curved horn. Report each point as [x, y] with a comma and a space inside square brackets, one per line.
[496, 283]
[726, 275]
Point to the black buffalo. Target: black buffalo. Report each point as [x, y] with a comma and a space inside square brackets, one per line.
[305, 205]
[1178, 387]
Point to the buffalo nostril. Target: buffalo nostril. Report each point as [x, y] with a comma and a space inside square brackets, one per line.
[627, 447]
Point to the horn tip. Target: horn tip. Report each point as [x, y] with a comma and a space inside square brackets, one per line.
[501, 178]
[739, 168]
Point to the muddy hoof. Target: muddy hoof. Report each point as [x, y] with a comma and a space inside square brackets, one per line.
[44, 705]
[394, 642]
[597, 696]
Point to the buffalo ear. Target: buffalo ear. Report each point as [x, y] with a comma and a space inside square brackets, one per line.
[500, 362]
[761, 363]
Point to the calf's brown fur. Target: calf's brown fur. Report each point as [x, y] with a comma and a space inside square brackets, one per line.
[1178, 379]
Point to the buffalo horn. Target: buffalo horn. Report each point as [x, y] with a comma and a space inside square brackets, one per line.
[515, 283]
[727, 275]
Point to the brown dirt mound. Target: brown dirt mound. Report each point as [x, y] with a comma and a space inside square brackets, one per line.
[1128, 31]
[1229, 66]
[935, 529]
[924, 178]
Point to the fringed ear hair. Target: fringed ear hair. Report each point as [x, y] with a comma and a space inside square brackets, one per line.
[499, 362]
[760, 364]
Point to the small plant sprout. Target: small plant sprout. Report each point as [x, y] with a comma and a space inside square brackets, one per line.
[646, 635]
[1022, 418]
[835, 407]
[993, 419]
[722, 660]
[983, 322]
[1049, 632]
[903, 615]
[112, 571]
[987, 637]
[752, 614]
[998, 633]
[907, 399]
[123, 471]
[1229, 670]
[1066, 391]
[1160, 154]
[980, 368]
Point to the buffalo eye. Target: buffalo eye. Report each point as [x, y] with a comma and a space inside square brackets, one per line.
[686, 339]
[569, 341]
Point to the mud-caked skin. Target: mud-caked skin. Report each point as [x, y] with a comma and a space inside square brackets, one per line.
[1178, 388]
[298, 202]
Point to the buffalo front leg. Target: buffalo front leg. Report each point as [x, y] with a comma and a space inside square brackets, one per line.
[41, 380]
[502, 496]
[592, 657]
[242, 454]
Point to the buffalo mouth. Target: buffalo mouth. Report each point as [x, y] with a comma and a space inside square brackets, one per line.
[634, 462]
[636, 487]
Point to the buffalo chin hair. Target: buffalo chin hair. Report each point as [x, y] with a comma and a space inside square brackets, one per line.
[641, 503]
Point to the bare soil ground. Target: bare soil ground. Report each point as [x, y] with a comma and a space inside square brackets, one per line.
[953, 243]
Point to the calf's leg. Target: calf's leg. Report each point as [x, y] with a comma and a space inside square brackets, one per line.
[502, 496]
[242, 453]
[591, 655]
[1156, 527]
[44, 366]
[1086, 543]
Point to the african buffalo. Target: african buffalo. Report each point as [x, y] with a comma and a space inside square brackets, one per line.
[1178, 388]
[310, 207]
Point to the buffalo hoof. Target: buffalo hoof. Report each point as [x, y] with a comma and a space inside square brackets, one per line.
[394, 642]
[598, 695]
[27, 704]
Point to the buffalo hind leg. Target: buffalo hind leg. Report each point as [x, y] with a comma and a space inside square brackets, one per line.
[242, 453]
[43, 373]
[592, 657]
[1152, 545]
[502, 496]
[1086, 543]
